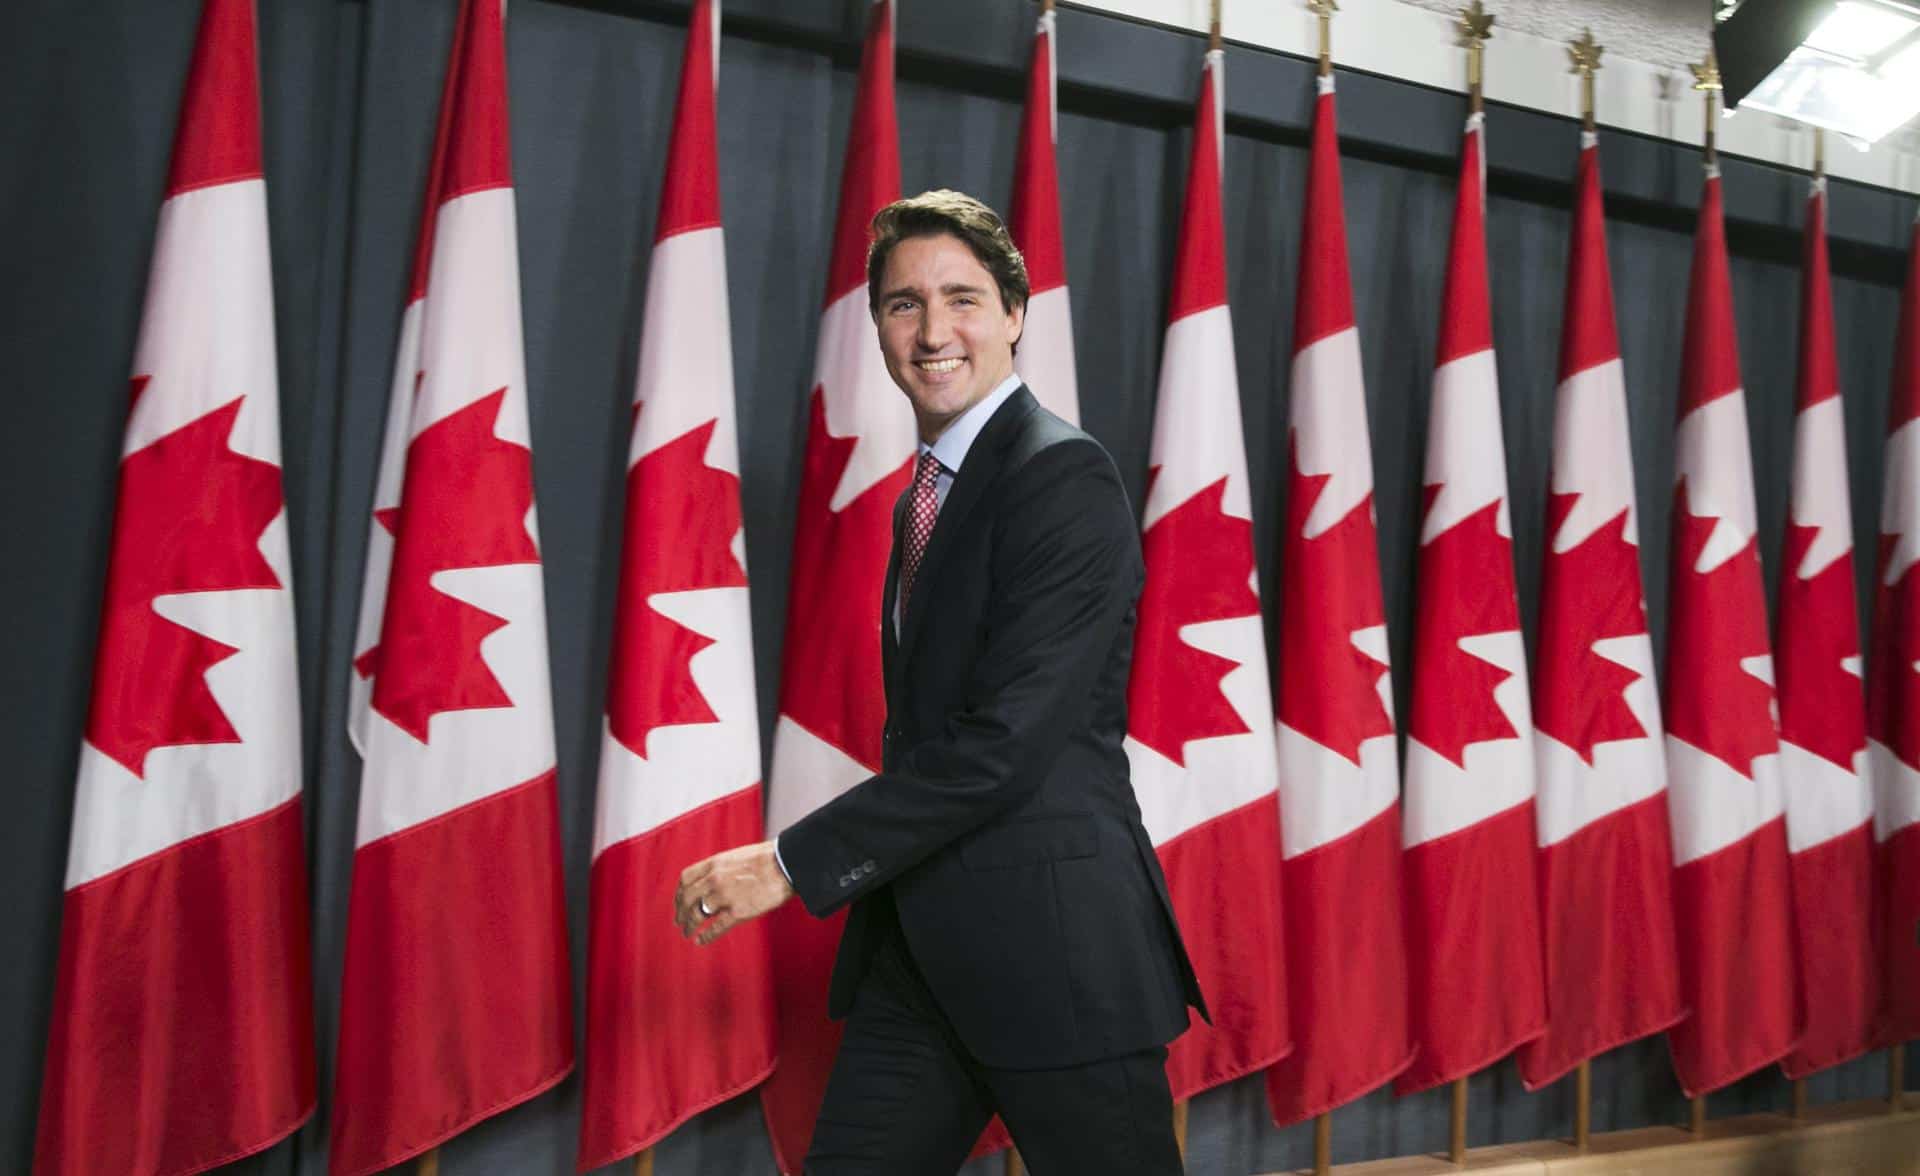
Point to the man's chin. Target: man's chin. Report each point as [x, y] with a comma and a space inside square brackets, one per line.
[932, 420]
[944, 405]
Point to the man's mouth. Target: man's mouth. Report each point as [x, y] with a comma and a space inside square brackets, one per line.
[938, 366]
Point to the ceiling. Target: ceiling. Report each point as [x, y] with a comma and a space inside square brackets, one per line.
[1666, 33]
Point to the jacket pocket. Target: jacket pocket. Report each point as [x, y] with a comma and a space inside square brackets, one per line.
[1031, 841]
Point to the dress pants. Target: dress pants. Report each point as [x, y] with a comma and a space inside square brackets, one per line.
[906, 1098]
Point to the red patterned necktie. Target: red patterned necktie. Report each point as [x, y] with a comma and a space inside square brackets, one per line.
[920, 515]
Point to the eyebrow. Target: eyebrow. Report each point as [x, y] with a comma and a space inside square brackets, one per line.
[950, 288]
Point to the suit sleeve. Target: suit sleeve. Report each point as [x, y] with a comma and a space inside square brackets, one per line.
[1066, 570]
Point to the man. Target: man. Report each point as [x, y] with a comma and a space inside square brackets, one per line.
[1010, 947]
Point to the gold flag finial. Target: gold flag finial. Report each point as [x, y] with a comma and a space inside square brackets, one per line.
[1213, 28]
[1475, 25]
[1585, 54]
[1706, 74]
[1706, 79]
[1324, 9]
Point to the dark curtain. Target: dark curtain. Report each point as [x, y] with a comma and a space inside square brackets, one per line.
[87, 106]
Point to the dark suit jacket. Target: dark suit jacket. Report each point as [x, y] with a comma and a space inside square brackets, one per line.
[1003, 821]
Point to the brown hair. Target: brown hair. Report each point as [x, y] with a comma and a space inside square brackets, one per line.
[955, 214]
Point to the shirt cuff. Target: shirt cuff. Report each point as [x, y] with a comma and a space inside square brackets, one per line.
[781, 862]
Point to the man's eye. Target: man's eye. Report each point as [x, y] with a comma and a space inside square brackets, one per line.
[901, 305]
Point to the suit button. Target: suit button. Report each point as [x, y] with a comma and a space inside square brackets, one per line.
[866, 867]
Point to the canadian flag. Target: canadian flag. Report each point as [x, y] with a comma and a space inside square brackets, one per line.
[859, 455]
[1606, 855]
[1045, 358]
[1893, 687]
[1473, 917]
[673, 1028]
[1198, 702]
[1823, 714]
[455, 1001]
[1339, 777]
[1731, 895]
[182, 1030]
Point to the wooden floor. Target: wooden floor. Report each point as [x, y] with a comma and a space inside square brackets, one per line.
[1845, 1139]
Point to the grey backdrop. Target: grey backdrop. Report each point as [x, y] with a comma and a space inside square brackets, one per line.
[87, 105]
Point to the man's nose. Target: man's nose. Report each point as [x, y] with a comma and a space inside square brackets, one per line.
[936, 328]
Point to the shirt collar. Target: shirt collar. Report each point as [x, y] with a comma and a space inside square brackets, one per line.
[951, 448]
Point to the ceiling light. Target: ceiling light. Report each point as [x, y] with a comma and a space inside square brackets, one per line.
[1851, 66]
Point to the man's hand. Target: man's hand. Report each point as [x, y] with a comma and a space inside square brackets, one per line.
[740, 884]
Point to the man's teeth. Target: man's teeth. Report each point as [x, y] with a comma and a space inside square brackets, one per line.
[938, 365]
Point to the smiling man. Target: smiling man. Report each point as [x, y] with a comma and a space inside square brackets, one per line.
[1010, 946]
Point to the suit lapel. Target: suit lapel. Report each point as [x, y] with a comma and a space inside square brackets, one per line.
[980, 467]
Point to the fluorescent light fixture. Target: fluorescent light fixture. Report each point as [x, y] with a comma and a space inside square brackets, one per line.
[1856, 30]
[1851, 66]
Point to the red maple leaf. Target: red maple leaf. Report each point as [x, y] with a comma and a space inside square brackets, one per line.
[1821, 708]
[465, 503]
[1199, 568]
[1715, 620]
[1466, 590]
[190, 515]
[682, 515]
[830, 682]
[1588, 593]
[1328, 687]
[1893, 686]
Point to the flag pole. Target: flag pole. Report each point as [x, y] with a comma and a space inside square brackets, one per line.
[1475, 25]
[1896, 1077]
[1799, 1109]
[1706, 79]
[1324, 9]
[1180, 1107]
[1457, 1127]
[429, 1164]
[643, 1163]
[1585, 56]
[1323, 1122]
[1015, 1166]
[1583, 1105]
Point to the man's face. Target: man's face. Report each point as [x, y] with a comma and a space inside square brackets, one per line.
[947, 338]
